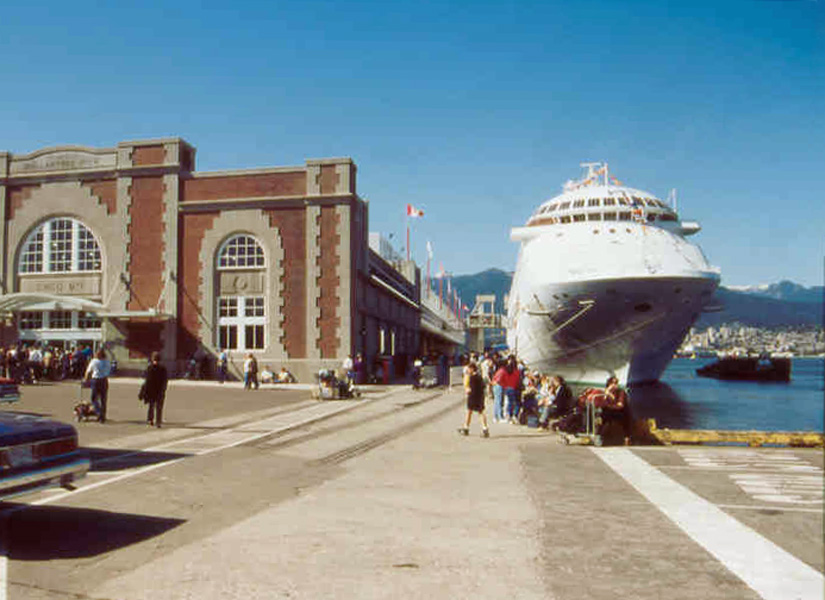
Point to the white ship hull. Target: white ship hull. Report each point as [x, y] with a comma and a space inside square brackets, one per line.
[631, 329]
[593, 299]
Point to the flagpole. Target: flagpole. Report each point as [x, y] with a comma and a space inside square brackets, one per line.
[408, 239]
[440, 286]
[429, 260]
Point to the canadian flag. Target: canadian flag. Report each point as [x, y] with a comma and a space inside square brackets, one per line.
[414, 212]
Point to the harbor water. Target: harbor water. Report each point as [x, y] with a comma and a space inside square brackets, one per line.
[683, 400]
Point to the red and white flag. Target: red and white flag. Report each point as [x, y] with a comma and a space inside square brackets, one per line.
[414, 212]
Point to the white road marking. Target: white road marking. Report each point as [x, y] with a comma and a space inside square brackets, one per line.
[206, 444]
[816, 511]
[775, 476]
[197, 446]
[769, 570]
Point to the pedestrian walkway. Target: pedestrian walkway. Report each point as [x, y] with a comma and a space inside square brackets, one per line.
[435, 515]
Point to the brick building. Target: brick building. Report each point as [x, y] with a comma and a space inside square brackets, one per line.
[130, 247]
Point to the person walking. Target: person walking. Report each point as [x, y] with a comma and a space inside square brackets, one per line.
[98, 373]
[223, 365]
[154, 390]
[348, 367]
[474, 388]
[250, 372]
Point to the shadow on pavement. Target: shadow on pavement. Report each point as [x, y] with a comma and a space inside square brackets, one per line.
[106, 460]
[52, 532]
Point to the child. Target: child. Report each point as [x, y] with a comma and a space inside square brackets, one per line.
[474, 386]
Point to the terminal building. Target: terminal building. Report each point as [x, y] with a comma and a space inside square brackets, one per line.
[131, 248]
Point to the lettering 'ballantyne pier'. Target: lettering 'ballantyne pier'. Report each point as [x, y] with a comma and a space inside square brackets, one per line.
[131, 247]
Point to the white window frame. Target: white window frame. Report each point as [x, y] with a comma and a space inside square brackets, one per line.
[61, 245]
[237, 314]
[241, 251]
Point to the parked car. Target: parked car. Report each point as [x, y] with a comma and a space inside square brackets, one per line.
[35, 451]
[9, 390]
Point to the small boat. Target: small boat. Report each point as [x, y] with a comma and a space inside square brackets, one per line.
[749, 368]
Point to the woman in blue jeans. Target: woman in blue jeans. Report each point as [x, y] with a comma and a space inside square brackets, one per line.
[505, 380]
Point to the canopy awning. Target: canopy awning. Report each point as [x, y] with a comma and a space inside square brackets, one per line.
[41, 301]
[18, 301]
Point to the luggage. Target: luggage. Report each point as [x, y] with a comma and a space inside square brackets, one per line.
[83, 410]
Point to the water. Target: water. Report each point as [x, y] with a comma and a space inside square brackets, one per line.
[682, 400]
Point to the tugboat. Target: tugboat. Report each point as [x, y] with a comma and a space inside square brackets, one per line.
[749, 368]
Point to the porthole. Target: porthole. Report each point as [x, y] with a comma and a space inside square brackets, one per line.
[642, 307]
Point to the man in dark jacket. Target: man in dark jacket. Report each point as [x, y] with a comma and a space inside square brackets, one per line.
[154, 390]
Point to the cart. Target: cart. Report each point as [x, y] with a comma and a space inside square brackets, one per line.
[592, 428]
[331, 387]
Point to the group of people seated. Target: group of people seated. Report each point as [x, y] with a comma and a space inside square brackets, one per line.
[552, 403]
[283, 376]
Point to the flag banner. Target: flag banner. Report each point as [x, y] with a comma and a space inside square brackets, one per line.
[429, 250]
[414, 212]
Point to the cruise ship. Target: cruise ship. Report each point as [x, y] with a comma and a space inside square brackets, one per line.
[606, 283]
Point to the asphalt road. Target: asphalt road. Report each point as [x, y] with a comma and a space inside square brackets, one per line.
[269, 494]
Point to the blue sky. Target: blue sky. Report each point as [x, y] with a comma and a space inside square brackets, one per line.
[474, 112]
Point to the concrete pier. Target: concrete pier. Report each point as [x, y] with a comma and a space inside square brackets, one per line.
[268, 494]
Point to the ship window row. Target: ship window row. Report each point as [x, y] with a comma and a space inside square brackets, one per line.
[606, 216]
[595, 202]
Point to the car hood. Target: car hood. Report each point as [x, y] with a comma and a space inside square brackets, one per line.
[24, 428]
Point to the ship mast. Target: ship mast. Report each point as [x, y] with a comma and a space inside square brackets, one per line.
[592, 170]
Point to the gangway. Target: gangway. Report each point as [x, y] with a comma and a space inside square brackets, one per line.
[482, 317]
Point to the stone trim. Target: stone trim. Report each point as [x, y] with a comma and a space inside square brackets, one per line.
[74, 200]
[169, 294]
[255, 223]
[118, 295]
[313, 179]
[313, 271]
[5, 286]
[344, 251]
[344, 172]
[239, 172]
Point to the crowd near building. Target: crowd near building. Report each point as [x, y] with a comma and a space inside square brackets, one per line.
[130, 248]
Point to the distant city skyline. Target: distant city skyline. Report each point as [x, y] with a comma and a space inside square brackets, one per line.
[473, 113]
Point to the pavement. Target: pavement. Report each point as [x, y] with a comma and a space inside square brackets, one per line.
[418, 511]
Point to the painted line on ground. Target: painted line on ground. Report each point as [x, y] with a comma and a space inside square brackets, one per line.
[256, 434]
[770, 571]
[251, 436]
[774, 508]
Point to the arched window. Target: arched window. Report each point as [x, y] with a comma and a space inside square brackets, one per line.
[241, 252]
[60, 245]
[241, 317]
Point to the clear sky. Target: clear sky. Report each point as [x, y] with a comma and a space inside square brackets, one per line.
[474, 112]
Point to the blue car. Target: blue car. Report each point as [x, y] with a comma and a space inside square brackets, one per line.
[37, 452]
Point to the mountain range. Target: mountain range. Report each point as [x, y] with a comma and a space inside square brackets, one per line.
[771, 306]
